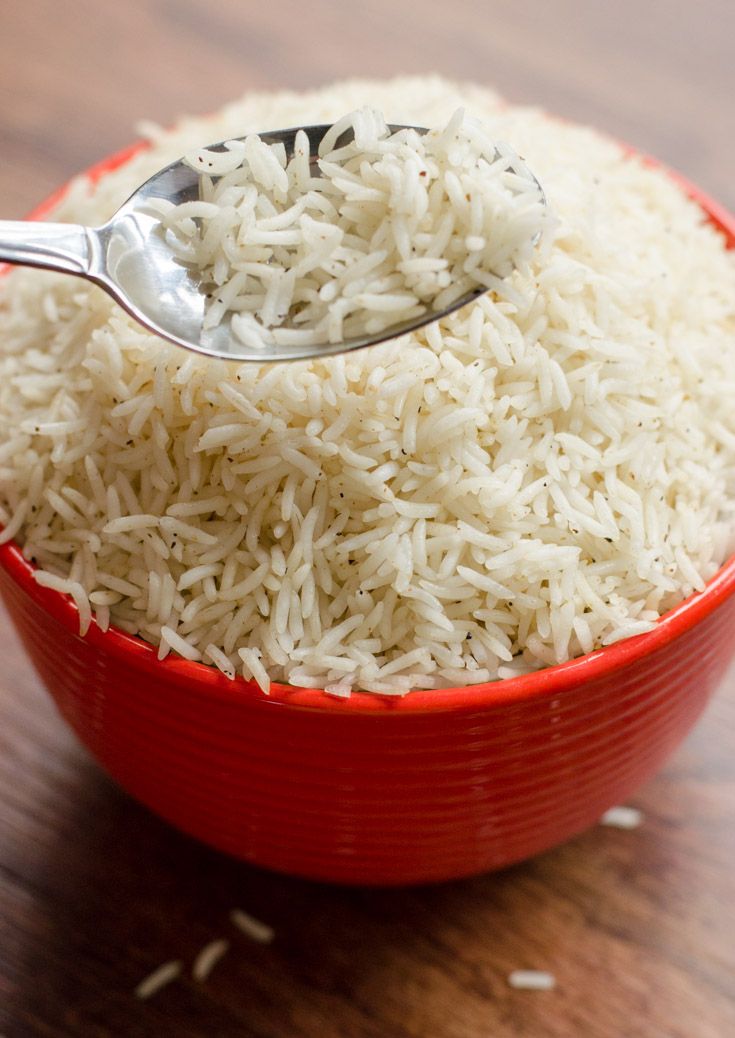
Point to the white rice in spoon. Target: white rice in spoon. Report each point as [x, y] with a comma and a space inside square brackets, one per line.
[386, 227]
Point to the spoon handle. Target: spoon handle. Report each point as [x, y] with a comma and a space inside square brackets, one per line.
[53, 246]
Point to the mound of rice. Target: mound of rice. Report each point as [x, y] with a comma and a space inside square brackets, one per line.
[382, 229]
[531, 478]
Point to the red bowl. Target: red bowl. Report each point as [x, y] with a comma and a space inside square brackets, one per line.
[379, 790]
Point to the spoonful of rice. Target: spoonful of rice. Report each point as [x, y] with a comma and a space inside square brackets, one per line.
[309, 241]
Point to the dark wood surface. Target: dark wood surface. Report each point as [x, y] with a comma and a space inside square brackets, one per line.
[638, 927]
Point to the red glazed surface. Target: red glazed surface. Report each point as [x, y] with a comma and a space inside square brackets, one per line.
[375, 790]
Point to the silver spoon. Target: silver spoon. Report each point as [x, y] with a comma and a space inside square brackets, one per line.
[129, 258]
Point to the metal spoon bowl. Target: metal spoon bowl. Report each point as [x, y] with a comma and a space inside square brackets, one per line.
[130, 259]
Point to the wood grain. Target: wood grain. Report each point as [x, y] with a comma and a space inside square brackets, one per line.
[94, 891]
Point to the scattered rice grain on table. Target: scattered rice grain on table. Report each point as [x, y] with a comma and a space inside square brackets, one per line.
[208, 958]
[532, 980]
[622, 817]
[158, 979]
[252, 927]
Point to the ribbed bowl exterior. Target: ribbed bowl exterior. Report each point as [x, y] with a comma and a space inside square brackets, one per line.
[374, 790]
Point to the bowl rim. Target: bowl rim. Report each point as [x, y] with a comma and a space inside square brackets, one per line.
[203, 679]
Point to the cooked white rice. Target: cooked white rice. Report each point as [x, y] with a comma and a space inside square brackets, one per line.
[388, 227]
[525, 481]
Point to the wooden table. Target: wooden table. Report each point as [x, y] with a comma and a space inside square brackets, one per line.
[94, 891]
